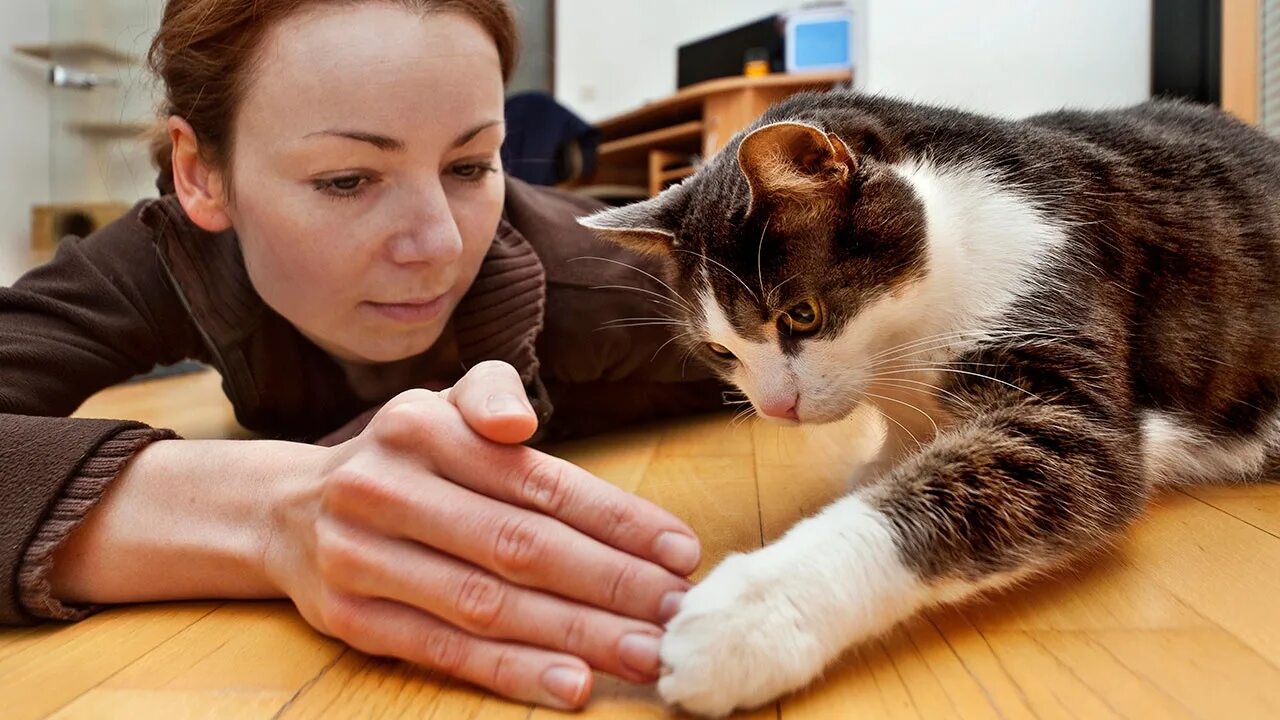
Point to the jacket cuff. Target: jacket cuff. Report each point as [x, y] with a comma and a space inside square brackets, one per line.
[81, 494]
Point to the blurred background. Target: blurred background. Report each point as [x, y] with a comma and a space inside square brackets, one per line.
[618, 98]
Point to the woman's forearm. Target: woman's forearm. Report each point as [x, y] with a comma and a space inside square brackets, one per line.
[186, 519]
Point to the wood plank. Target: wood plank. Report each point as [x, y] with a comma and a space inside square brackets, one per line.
[667, 176]
[1224, 569]
[361, 686]
[1241, 51]
[191, 404]
[237, 646]
[685, 136]
[51, 673]
[715, 493]
[102, 704]
[687, 103]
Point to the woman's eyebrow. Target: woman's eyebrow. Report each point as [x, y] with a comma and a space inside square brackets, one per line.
[382, 142]
[471, 134]
[390, 144]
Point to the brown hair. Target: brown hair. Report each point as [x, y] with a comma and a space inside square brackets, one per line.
[204, 50]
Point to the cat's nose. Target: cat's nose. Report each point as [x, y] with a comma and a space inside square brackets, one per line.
[781, 408]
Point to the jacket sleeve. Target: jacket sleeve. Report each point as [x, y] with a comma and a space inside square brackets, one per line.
[100, 312]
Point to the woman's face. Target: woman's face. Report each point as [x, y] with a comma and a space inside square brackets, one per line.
[366, 178]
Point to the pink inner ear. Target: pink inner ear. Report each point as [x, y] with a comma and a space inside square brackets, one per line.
[793, 160]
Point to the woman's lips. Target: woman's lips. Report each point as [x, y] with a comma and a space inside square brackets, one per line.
[412, 312]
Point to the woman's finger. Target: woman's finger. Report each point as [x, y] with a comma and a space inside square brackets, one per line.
[388, 628]
[521, 546]
[493, 403]
[487, 606]
[534, 480]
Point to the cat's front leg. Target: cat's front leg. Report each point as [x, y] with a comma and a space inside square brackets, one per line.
[765, 623]
[1018, 490]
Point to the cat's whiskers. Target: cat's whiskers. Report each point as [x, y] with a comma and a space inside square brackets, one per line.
[930, 368]
[760, 260]
[901, 382]
[717, 263]
[926, 415]
[670, 340]
[946, 339]
[650, 275]
[771, 298]
[742, 417]
[672, 302]
[905, 429]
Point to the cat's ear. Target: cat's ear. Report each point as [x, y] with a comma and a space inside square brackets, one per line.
[791, 160]
[648, 226]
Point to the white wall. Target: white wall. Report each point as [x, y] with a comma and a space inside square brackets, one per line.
[1008, 57]
[40, 160]
[24, 132]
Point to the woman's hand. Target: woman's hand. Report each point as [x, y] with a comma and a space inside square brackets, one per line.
[433, 538]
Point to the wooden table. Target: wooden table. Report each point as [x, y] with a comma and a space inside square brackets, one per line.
[1183, 620]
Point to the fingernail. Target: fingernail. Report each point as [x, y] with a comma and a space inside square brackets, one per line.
[670, 605]
[566, 684]
[505, 404]
[640, 653]
[678, 553]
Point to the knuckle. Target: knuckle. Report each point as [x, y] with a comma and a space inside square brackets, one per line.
[504, 675]
[403, 421]
[446, 650]
[576, 633]
[481, 598]
[544, 484]
[621, 520]
[621, 585]
[351, 488]
[342, 616]
[491, 368]
[339, 556]
[517, 545]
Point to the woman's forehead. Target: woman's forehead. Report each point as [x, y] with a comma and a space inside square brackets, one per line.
[378, 65]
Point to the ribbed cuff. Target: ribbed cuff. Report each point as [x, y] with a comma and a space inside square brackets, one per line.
[81, 494]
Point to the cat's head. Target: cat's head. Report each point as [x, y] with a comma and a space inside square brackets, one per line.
[797, 255]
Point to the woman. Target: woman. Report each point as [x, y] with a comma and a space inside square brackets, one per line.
[334, 232]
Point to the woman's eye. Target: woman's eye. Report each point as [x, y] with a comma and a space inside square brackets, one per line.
[472, 172]
[342, 187]
[803, 318]
[720, 351]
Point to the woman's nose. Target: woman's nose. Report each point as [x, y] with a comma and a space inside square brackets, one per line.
[429, 234]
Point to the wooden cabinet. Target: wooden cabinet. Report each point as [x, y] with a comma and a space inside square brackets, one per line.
[663, 141]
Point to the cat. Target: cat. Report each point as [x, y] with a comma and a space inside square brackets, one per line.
[1055, 315]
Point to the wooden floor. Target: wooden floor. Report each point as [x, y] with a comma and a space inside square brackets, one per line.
[1182, 620]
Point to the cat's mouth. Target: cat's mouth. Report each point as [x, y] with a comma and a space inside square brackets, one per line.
[817, 411]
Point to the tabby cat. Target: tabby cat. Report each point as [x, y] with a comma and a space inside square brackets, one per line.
[1055, 315]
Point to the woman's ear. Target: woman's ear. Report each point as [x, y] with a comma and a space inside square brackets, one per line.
[200, 188]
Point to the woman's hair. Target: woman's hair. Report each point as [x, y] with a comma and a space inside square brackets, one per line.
[205, 49]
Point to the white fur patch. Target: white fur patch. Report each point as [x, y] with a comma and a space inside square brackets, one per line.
[1173, 451]
[768, 622]
[988, 246]
[764, 373]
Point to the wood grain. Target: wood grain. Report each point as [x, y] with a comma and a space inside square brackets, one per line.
[1179, 621]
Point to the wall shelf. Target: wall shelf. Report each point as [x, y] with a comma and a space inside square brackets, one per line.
[75, 53]
[109, 130]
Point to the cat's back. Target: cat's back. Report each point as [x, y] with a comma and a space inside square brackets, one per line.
[1170, 139]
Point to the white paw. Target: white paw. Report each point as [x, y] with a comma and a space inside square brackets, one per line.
[739, 641]
[764, 624]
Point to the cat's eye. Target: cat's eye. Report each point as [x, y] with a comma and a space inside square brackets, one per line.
[803, 318]
[720, 351]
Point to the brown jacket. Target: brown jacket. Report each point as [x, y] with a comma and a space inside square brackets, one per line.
[154, 289]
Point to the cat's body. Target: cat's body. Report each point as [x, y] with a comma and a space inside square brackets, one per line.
[1054, 315]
